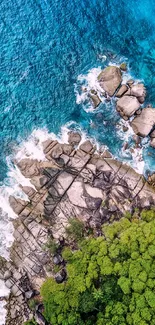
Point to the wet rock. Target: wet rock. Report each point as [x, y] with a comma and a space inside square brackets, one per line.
[127, 106]
[74, 138]
[125, 146]
[60, 276]
[123, 89]
[130, 82]
[123, 66]
[136, 139]
[84, 89]
[152, 142]
[95, 100]
[110, 79]
[125, 128]
[93, 91]
[57, 259]
[143, 124]
[152, 135]
[86, 146]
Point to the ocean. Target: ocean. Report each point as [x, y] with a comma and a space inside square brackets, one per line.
[48, 50]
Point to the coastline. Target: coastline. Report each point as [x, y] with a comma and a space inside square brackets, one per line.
[56, 179]
[69, 182]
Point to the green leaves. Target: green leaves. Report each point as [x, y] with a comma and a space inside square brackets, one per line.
[110, 279]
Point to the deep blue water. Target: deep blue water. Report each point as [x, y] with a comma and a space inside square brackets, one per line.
[46, 44]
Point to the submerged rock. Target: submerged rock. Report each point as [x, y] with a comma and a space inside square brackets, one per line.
[95, 100]
[143, 124]
[110, 79]
[127, 106]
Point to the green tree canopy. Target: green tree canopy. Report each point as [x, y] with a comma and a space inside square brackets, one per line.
[111, 279]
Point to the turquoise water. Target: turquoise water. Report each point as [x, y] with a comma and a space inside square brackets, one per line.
[46, 44]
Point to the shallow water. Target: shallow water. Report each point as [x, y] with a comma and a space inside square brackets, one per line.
[46, 46]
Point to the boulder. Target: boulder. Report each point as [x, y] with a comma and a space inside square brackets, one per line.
[60, 276]
[106, 154]
[110, 79]
[152, 135]
[151, 180]
[152, 142]
[123, 89]
[57, 259]
[125, 128]
[7, 275]
[40, 319]
[130, 82]
[57, 151]
[93, 203]
[67, 149]
[29, 294]
[136, 139]
[74, 138]
[95, 100]
[127, 106]
[123, 66]
[17, 205]
[29, 167]
[86, 146]
[143, 124]
[139, 91]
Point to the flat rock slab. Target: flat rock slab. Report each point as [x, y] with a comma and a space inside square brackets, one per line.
[75, 194]
[143, 124]
[127, 106]
[110, 79]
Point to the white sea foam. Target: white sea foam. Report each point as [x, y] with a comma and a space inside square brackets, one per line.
[2, 312]
[86, 83]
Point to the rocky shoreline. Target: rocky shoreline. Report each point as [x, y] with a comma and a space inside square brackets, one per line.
[73, 181]
[129, 99]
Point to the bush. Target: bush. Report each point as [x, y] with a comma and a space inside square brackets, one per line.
[75, 230]
[30, 322]
[111, 279]
[32, 304]
[52, 246]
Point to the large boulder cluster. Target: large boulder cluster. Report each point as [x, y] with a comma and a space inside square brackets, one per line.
[129, 98]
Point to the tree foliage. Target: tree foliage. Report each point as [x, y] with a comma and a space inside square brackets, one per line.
[111, 279]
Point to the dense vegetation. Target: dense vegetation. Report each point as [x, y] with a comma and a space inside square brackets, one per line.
[111, 279]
